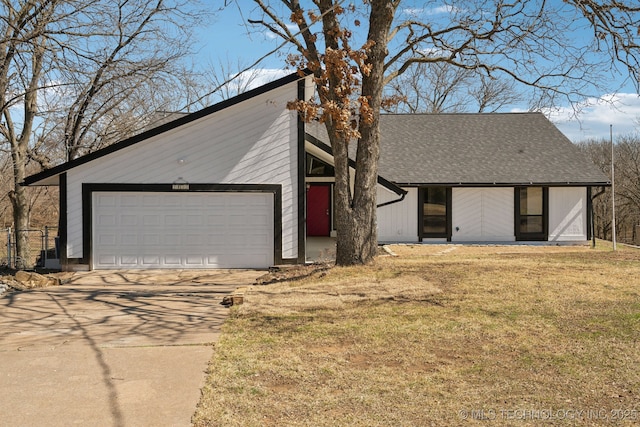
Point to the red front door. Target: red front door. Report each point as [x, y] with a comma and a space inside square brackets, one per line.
[318, 203]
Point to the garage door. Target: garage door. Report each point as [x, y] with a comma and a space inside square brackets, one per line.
[182, 230]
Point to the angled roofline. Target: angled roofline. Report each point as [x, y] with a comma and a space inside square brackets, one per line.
[382, 181]
[188, 118]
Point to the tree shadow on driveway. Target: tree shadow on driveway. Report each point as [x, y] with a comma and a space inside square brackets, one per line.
[123, 330]
[121, 309]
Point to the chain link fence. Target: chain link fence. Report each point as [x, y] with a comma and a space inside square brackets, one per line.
[42, 249]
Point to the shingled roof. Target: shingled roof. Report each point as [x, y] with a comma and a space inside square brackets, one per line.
[478, 149]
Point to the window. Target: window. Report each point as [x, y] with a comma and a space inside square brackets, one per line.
[435, 212]
[316, 167]
[532, 213]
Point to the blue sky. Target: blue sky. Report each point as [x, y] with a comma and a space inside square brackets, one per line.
[226, 40]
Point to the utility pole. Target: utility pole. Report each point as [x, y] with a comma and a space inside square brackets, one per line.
[613, 191]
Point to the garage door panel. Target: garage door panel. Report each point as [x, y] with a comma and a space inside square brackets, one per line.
[128, 220]
[172, 240]
[194, 260]
[148, 200]
[108, 260]
[151, 240]
[194, 220]
[186, 230]
[129, 240]
[172, 220]
[151, 260]
[196, 240]
[128, 201]
[195, 202]
[106, 200]
[128, 260]
[259, 220]
[172, 260]
[262, 239]
[216, 220]
[107, 220]
[150, 220]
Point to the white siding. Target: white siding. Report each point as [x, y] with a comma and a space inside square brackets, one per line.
[398, 222]
[482, 215]
[567, 214]
[253, 142]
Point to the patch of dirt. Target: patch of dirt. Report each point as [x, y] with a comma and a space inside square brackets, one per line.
[293, 273]
[334, 290]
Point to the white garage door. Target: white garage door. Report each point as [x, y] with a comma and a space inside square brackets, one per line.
[182, 230]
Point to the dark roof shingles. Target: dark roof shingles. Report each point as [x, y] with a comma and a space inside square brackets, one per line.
[475, 149]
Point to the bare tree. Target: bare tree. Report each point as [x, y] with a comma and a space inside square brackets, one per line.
[492, 94]
[22, 49]
[627, 155]
[232, 79]
[442, 88]
[78, 74]
[431, 88]
[627, 179]
[529, 41]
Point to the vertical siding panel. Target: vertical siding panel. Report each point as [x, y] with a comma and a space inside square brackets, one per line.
[466, 214]
[482, 215]
[567, 214]
[74, 216]
[398, 222]
[498, 214]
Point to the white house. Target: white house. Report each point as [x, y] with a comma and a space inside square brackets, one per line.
[243, 183]
[479, 178]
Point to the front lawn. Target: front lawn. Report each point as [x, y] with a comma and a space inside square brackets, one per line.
[438, 335]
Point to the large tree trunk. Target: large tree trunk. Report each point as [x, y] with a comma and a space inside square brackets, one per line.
[356, 224]
[357, 238]
[355, 213]
[356, 227]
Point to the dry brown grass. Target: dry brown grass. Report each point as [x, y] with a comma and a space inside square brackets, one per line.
[439, 335]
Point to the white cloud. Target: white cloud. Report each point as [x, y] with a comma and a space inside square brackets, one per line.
[413, 11]
[592, 118]
[254, 78]
[272, 36]
[442, 9]
[416, 12]
[595, 116]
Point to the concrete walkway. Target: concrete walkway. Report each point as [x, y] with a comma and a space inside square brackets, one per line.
[111, 348]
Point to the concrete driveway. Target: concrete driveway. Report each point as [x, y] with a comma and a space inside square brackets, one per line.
[125, 348]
